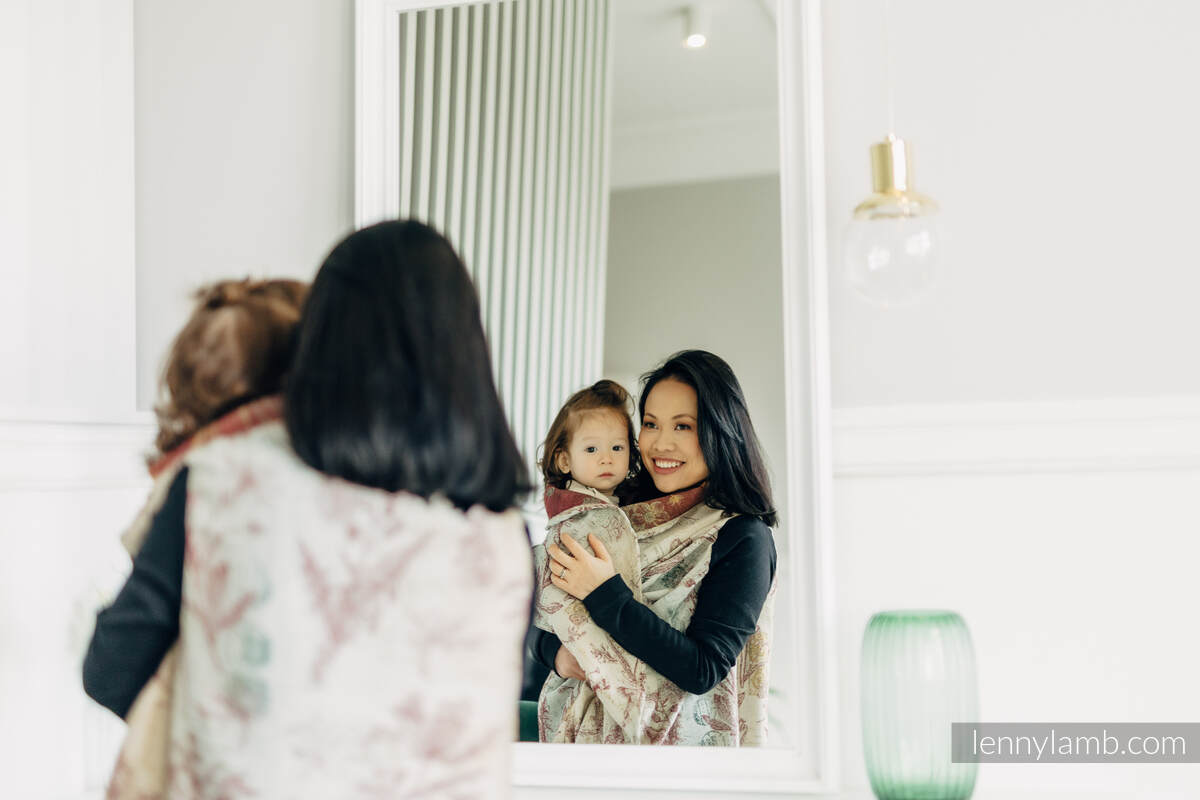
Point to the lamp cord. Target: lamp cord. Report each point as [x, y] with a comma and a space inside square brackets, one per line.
[889, 67]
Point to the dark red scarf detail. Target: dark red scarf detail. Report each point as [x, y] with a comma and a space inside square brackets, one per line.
[643, 516]
[560, 500]
[652, 513]
[240, 420]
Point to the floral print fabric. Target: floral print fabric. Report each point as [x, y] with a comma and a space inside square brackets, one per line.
[340, 641]
[624, 701]
[140, 772]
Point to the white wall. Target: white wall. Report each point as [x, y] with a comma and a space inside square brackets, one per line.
[67, 490]
[243, 132]
[244, 163]
[66, 208]
[1024, 446]
[697, 265]
[67, 355]
[1065, 533]
[245, 149]
[1059, 139]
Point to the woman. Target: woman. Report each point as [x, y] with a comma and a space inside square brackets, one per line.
[703, 517]
[320, 654]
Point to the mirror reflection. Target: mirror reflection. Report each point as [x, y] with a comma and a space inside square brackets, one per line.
[658, 588]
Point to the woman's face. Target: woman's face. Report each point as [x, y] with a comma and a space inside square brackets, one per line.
[669, 440]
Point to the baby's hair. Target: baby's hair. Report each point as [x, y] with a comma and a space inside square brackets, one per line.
[234, 348]
[601, 395]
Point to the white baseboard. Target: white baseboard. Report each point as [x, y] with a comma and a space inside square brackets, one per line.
[997, 438]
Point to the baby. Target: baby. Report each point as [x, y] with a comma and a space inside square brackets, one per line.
[222, 376]
[586, 457]
[590, 441]
[232, 351]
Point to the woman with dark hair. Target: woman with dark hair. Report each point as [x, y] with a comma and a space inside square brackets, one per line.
[695, 652]
[322, 652]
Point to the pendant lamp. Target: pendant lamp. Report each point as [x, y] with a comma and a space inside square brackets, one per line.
[892, 242]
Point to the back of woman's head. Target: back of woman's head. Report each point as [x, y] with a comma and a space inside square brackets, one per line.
[234, 348]
[737, 472]
[391, 384]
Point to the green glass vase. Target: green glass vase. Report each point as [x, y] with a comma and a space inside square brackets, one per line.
[918, 676]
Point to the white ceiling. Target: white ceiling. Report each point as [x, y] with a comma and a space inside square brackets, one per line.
[656, 78]
[722, 96]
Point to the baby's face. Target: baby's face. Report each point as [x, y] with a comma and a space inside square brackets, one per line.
[598, 451]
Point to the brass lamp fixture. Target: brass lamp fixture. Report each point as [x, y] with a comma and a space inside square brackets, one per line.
[892, 242]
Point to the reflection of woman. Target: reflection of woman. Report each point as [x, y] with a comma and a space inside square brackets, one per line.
[707, 559]
[321, 652]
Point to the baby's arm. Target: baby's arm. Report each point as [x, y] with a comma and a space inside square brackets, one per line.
[134, 633]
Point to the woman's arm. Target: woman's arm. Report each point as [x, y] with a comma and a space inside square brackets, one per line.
[134, 633]
[545, 647]
[729, 602]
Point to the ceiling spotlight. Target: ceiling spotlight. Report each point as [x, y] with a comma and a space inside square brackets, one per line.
[695, 26]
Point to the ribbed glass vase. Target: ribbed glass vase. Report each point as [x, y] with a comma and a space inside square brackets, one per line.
[918, 676]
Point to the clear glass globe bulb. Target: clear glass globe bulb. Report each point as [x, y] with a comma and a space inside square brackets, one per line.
[891, 248]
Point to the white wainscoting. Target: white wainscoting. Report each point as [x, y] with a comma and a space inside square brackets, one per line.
[1068, 536]
[67, 489]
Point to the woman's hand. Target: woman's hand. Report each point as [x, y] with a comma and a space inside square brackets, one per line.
[579, 572]
[566, 665]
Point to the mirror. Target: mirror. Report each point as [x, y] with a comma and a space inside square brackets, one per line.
[694, 247]
[619, 197]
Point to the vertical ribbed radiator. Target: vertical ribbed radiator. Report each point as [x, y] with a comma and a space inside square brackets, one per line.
[501, 141]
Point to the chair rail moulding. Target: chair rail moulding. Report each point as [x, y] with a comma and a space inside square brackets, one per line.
[1084, 435]
[386, 49]
[64, 454]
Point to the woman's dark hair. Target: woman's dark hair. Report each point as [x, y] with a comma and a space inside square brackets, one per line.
[391, 383]
[737, 473]
[601, 395]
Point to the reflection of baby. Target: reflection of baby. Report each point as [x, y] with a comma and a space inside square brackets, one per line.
[221, 376]
[586, 457]
[587, 454]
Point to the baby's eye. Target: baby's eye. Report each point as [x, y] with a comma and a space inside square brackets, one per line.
[590, 449]
[618, 447]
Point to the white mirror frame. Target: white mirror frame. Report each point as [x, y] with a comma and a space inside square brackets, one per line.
[814, 768]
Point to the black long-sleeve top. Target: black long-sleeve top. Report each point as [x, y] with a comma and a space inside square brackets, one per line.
[136, 631]
[728, 604]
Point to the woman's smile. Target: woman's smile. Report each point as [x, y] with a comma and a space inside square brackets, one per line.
[669, 439]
